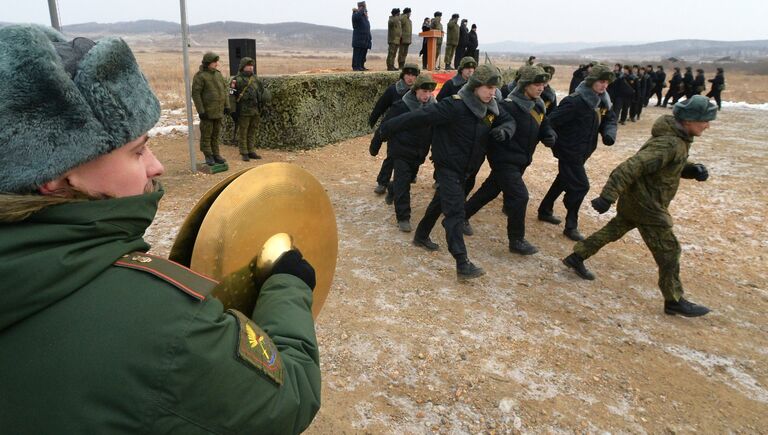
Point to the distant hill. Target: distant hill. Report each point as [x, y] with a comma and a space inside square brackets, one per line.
[304, 36]
[688, 49]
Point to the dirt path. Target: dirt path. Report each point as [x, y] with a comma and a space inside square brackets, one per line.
[530, 347]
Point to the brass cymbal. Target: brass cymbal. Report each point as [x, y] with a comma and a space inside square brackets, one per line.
[252, 208]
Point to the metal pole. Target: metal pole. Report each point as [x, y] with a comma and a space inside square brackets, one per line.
[54, 10]
[187, 87]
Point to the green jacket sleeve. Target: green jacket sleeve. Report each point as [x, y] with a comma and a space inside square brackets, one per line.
[197, 93]
[653, 156]
[210, 387]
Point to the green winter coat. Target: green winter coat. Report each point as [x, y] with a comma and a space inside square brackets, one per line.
[210, 92]
[89, 347]
[407, 29]
[394, 30]
[647, 182]
[250, 94]
[452, 36]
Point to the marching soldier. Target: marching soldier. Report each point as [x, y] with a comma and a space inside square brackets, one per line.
[392, 94]
[661, 83]
[121, 341]
[627, 92]
[394, 34]
[510, 158]
[549, 95]
[250, 96]
[405, 40]
[451, 87]
[451, 41]
[462, 126]
[675, 87]
[644, 186]
[718, 85]
[211, 97]
[699, 82]
[577, 121]
[688, 83]
[408, 149]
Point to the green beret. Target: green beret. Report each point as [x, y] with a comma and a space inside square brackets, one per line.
[64, 103]
[696, 108]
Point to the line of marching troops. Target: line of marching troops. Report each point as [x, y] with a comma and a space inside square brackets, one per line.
[475, 116]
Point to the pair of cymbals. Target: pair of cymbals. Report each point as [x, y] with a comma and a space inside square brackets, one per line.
[232, 223]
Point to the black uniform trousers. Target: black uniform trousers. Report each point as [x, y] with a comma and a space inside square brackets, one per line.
[626, 104]
[657, 91]
[571, 179]
[716, 96]
[358, 58]
[449, 199]
[673, 94]
[509, 181]
[636, 109]
[400, 187]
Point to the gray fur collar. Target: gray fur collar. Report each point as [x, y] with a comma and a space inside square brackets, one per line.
[592, 98]
[477, 107]
[458, 80]
[414, 104]
[518, 97]
[401, 87]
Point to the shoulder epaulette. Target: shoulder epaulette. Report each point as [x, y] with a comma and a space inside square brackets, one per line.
[456, 96]
[190, 282]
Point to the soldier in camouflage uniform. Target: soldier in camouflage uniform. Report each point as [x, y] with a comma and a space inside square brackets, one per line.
[451, 41]
[407, 35]
[394, 33]
[435, 24]
[211, 97]
[250, 97]
[644, 185]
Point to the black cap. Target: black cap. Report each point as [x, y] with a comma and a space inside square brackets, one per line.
[438, 14]
[407, 10]
[455, 16]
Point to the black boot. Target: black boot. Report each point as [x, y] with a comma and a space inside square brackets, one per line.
[522, 247]
[467, 229]
[550, 218]
[380, 189]
[575, 262]
[573, 234]
[245, 157]
[404, 226]
[209, 160]
[427, 244]
[390, 198]
[253, 155]
[467, 270]
[685, 308]
[219, 159]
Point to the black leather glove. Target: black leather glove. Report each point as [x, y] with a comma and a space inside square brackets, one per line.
[202, 116]
[499, 134]
[375, 145]
[608, 141]
[549, 140]
[293, 263]
[226, 111]
[601, 205]
[696, 172]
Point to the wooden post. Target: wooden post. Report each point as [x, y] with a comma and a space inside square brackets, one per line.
[431, 36]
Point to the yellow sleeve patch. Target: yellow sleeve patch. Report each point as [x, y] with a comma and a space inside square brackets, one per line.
[456, 96]
[256, 349]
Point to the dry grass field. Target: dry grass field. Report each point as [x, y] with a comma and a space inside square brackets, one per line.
[529, 348]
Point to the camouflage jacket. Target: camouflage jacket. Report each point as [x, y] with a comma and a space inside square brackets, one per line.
[210, 93]
[647, 182]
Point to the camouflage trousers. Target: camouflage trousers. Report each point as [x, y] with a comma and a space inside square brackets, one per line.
[246, 132]
[391, 55]
[661, 241]
[210, 132]
[402, 54]
[438, 47]
[450, 53]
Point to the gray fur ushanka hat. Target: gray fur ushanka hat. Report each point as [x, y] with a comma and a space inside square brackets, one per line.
[64, 103]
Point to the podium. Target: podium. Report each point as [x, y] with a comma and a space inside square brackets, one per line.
[432, 36]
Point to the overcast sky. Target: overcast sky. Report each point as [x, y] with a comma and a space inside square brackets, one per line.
[497, 20]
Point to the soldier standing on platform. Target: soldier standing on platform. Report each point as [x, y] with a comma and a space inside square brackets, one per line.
[645, 185]
[463, 39]
[405, 39]
[435, 24]
[462, 126]
[577, 121]
[451, 41]
[361, 37]
[211, 97]
[425, 27]
[472, 44]
[394, 34]
[391, 95]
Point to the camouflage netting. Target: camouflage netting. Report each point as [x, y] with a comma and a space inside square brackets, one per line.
[308, 111]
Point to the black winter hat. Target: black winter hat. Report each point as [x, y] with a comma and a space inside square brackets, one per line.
[407, 11]
[438, 14]
[395, 11]
[455, 16]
